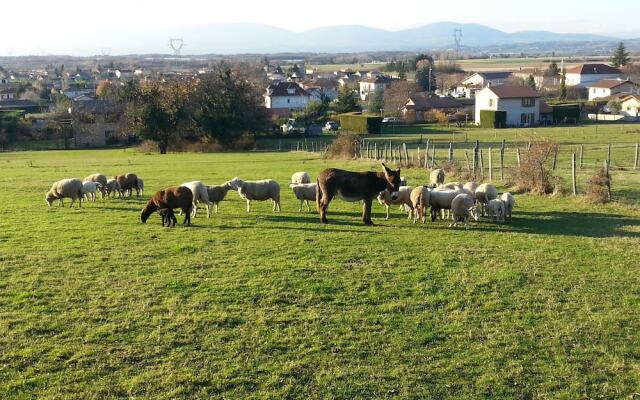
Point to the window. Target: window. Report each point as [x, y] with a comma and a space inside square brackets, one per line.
[528, 102]
[491, 102]
[527, 118]
[288, 100]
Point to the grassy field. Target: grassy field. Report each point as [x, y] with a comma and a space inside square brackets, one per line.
[94, 304]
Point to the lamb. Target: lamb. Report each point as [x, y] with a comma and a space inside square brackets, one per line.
[485, 193]
[71, 188]
[441, 200]
[463, 206]
[495, 209]
[89, 190]
[437, 176]
[257, 190]
[168, 217]
[403, 198]
[128, 182]
[217, 193]
[140, 188]
[98, 178]
[509, 202]
[304, 192]
[170, 198]
[200, 194]
[420, 201]
[300, 177]
[112, 186]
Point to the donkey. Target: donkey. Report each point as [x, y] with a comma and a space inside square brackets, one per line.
[355, 186]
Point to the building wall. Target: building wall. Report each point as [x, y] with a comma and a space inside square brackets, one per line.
[513, 107]
[584, 80]
[631, 108]
[482, 102]
[93, 134]
[595, 93]
[290, 102]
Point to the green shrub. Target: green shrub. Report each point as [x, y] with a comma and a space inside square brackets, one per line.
[361, 123]
[493, 119]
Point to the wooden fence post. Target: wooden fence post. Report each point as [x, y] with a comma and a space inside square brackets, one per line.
[475, 159]
[635, 163]
[450, 151]
[606, 170]
[375, 150]
[502, 161]
[581, 154]
[609, 153]
[518, 156]
[466, 155]
[573, 173]
[406, 153]
[418, 155]
[555, 159]
[490, 166]
[433, 155]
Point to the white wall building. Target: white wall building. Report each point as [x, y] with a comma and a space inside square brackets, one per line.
[286, 96]
[609, 87]
[369, 86]
[583, 75]
[521, 103]
[482, 79]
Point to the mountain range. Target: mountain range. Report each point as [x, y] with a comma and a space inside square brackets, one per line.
[237, 38]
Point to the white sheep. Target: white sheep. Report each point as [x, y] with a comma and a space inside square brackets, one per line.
[300, 177]
[98, 178]
[448, 186]
[471, 187]
[304, 192]
[463, 206]
[257, 190]
[200, 195]
[441, 201]
[89, 189]
[71, 188]
[139, 188]
[485, 193]
[403, 181]
[113, 186]
[510, 203]
[437, 176]
[403, 199]
[420, 202]
[495, 210]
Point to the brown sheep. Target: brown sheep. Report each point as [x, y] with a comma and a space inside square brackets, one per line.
[172, 197]
[128, 182]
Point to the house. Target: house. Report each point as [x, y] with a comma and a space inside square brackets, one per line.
[420, 103]
[630, 107]
[521, 103]
[582, 75]
[369, 86]
[8, 93]
[26, 106]
[283, 98]
[483, 79]
[610, 87]
[72, 94]
[95, 123]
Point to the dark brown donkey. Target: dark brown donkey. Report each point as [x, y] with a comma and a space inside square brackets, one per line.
[355, 186]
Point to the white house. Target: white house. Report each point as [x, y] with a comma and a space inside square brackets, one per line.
[482, 79]
[609, 87]
[583, 75]
[368, 86]
[521, 103]
[286, 97]
[630, 106]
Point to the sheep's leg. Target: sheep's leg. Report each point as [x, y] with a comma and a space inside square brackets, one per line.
[387, 207]
[308, 207]
[216, 205]
[300, 206]
[248, 205]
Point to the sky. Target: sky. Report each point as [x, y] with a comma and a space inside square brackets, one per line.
[40, 31]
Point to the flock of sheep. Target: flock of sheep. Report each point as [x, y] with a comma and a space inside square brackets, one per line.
[461, 201]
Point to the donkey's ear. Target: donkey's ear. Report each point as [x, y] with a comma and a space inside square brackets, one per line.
[385, 168]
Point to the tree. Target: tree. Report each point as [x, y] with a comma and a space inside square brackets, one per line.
[552, 70]
[531, 81]
[563, 88]
[376, 102]
[614, 106]
[396, 95]
[347, 101]
[426, 79]
[226, 105]
[160, 111]
[620, 56]
[313, 113]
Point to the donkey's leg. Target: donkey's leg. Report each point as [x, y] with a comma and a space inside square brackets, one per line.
[366, 212]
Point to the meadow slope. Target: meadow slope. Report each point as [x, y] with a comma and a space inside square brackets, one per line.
[94, 304]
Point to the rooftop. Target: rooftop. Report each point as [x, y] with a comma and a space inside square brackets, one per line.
[513, 92]
[593, 69]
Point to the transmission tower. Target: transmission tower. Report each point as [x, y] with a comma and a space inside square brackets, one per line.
[176, 45]
[457, 39]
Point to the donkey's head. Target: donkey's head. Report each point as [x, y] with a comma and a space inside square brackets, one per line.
[393, 180]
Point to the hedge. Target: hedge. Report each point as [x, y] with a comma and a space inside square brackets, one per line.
[361, 123]
[493, 119]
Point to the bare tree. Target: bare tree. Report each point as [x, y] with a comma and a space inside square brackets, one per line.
[396, 96]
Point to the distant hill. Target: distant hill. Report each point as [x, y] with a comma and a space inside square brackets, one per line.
[257, 38]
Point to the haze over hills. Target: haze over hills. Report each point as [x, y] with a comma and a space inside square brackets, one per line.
[234, 38]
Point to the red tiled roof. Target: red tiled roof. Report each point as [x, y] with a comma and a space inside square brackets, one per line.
[610, 83]
[513, 92]
[592, 69]
[377, 79]
[424, 101]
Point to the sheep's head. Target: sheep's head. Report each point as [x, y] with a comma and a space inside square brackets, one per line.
[234, 183]
[393, 181]
[49, 198]
[381, 196]
[474, 212]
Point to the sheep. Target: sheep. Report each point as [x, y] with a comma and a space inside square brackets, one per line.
[172, 197]
[98, 178]
[300, 177]
[509, 202]
[168, 217]
[113, 186]
[449, 186]
[140, 188]
[471, 187]
[463, 206]
[485, 193]
[420, 201]
[128, 182]
[257, 190]
[89, 190]
[441, 200]
[437, 176]
[304, 192]
[217, 193]
[403, 181]
[71, 188]
[495, 209]
[200, 195]
[403, 198]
